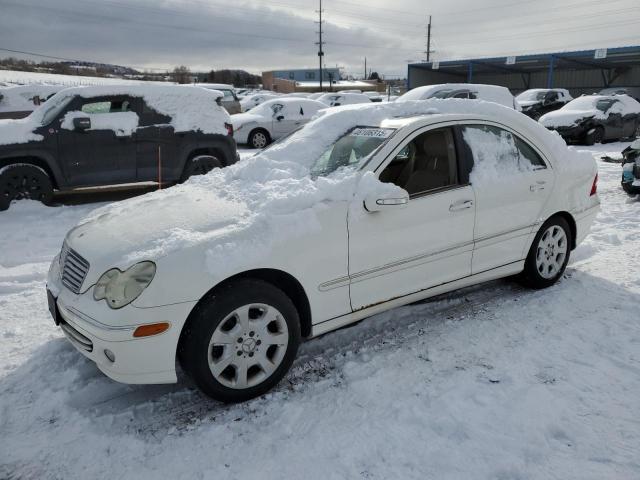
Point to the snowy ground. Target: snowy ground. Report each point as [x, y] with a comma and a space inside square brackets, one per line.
[493, 382]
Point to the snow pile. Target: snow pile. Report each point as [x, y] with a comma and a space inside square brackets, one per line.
[585, 107]
[122, 123]
[489, 93]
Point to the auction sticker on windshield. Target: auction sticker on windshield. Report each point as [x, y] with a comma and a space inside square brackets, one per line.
[372, 132]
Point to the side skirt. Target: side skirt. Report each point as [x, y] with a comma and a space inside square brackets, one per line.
[493, 274]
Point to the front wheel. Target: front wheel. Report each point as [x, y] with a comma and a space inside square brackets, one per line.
[241, 341]
[548, 255]
[596, 137]
[23, 181]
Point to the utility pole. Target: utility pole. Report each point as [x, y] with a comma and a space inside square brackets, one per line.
[320, 43]
[428, 52]
[365, 68]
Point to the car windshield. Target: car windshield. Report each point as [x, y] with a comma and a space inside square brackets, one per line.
[441, 94]
[351, 149]
[46, 112]
[531, 96]
[582, 103]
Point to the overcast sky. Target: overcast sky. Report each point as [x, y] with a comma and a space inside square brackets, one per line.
[263, 35]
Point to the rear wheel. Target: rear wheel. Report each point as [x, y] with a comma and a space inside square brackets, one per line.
[22, 181]
[241, 341]
[259, 139]
[200, 165]
[548, 255]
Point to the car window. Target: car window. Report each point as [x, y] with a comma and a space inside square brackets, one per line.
[276, 107]
[604, 105]
[461, 95]
[499, 153]
[111, 106]
[426, 163]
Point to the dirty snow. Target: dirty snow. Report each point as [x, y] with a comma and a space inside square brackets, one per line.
[494, 381]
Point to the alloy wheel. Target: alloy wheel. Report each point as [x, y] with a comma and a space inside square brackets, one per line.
[551, 252]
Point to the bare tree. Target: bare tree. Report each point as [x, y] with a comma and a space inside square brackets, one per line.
[182, 74]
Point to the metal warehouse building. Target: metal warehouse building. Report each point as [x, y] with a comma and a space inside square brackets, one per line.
[585, 71]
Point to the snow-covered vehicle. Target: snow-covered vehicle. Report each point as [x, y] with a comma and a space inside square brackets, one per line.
[489, 93]
[595, 118]
[252, 101]
[538, 101]
[633, 92]
[365, 208]
[229, 98]
[338, 99]
[631, 168]
[20, 101]
[273, 119]
[98, 136]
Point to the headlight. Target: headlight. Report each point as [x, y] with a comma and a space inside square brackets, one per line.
[121, 288]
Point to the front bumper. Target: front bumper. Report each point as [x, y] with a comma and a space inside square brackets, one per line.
[571, 134]
[89, 326]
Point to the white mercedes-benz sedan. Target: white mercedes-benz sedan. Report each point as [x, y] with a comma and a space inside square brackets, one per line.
[273, 120]
[366, 208]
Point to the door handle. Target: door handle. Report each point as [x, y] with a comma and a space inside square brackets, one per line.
[460, 205]
[539, 185]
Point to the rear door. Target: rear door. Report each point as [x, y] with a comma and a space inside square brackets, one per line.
[512, 183]
[105, 153]
[155, 146]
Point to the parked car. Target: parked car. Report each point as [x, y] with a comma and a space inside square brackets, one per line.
[595, 118]
[273, 119]
[252, 101]
[489, 93]
[538, 101]
[633, 92]
[96, 136]
[20, 101]
[360, 211]
[337, 99]
[229, 100]
[631, 168]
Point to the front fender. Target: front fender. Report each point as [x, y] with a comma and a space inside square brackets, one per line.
[38, 156]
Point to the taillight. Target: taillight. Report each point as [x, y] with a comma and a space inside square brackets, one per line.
[229, 128]
[594, 187]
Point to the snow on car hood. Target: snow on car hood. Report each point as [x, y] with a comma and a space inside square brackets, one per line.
[240, 119]
[243, 210]
[528, 103]
[18, 131]
[566, 118]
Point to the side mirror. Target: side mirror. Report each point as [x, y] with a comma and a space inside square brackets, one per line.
[280, 118]
[82, 123]
[378, 203]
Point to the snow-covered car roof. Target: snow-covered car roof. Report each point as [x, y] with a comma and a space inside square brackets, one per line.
[490, 93]
[351, 98]
[190, 109]
[215, 86]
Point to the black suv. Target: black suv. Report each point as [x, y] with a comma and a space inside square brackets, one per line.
[538, 101]
[97, 136]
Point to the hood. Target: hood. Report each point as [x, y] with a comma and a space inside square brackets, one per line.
[152, 226]
[565, 118]
[240, 119]
[528, 103]
[18, 131]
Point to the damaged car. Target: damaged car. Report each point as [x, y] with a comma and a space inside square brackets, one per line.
[538, 101]
[631, 168]
[594, 119]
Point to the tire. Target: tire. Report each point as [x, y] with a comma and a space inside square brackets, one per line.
[200, 165]
[259, 138]
[241, 340]
[597, 136]
[548, 255]
[631, 190]
[22, 181]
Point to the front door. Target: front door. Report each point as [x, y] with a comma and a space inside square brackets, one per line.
[511, 183]
[397, 252]
[104, 153]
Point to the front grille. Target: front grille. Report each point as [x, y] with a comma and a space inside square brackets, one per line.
[76, 337]
[73, 268]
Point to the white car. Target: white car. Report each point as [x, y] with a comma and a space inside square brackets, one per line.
[338, 99]
[489, 93]
[251, 101]
[229, 100]
[273, 119]
[20, 101]
[364, 209]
